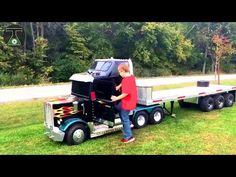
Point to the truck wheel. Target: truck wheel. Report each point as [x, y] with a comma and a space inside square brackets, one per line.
[140, 119]
[207, 104]
[219, 101]
[76, 134]
[229, 99]
[156, 116]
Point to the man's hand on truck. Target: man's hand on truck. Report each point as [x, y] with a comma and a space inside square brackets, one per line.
[114, 98]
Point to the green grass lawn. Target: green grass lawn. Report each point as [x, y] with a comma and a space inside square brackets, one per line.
[193, 132]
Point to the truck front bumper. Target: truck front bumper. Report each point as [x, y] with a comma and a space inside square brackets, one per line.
[54, 133]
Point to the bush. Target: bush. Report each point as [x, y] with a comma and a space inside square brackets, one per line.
[64, 68]
[147, 72]
[18, 79]
[4, 79]
[228, 67]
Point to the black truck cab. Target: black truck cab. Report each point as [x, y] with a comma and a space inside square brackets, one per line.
[95, 88]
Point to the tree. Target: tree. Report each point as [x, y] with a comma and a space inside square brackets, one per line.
[77, 46]
[161, 48]
[5, 53]
[201, 34]
[37, 60]
[222, 47]
[98, 38]
[77, 56]
[122, 36]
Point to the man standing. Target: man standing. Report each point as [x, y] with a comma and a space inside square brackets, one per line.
[128, 99]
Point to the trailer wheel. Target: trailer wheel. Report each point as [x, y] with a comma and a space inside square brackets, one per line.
[140, 120]
[76, 134]
[156, 116]
[207, 104]
[229, 99]
[219, 101]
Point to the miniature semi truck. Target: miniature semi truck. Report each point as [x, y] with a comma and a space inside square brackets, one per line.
[89, 112]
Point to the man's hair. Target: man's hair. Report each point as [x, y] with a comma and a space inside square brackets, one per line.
[124, 67]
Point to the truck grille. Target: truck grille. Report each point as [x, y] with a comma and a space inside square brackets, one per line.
[48, 113]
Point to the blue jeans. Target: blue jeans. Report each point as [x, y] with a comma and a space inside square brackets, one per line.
[124, 116]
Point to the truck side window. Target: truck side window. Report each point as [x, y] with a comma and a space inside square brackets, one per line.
[106, 66]
[101, 66]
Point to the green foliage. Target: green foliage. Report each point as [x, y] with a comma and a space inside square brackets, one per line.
[77, 45]
[162, 47]
[101, 48]
[77, 58]
[37, 60]
[64, 68]
[228, 66]
[122, 36]
[21, 67]
[141, 71]
[8, 56]
[20, 78]
[98, 37]
[60, 49]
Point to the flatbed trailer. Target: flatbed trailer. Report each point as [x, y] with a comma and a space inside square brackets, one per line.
[208, 98]
[147, 95]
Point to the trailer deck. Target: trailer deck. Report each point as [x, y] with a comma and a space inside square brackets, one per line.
[149, 97]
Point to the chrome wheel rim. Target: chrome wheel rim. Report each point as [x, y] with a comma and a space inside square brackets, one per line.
[157, 116]
[78, 135]
[141, 120]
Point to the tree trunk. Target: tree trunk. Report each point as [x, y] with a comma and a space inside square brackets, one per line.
[25, 26]
[37, 28]
[216, 69]
[218, 72]
[32, 33]
[190, 30]
[205, 57]
[42, 29]
[213, 65]
[204, 66]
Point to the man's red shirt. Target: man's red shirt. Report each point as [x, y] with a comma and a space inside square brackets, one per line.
[128, 86]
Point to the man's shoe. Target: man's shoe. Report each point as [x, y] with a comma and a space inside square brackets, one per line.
[129, 140]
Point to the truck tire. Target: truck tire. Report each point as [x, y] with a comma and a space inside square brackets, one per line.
[207, 104]
[229, 99]
[76, 134]
[156, 116]
[140, 119]
[202, 83]
[219, 101]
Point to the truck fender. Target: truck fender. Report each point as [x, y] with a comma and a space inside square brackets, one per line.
[147, 109]
[63, 127]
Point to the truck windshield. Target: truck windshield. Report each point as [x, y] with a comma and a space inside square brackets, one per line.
[101, 66]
